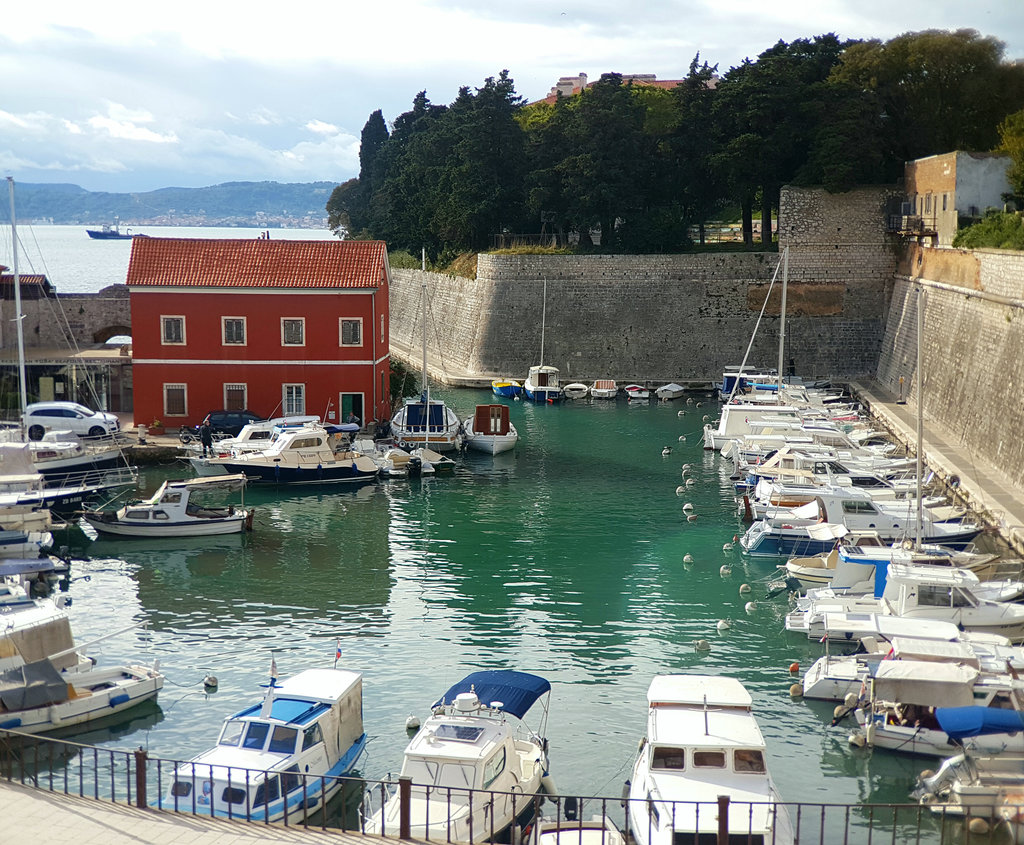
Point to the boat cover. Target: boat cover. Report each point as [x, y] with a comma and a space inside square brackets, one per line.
[961, 722]
[416, 417]
[30, 566]
[922, 682]
[517, 691]
[32, 685]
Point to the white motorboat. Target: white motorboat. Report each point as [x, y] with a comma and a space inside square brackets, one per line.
[973, 784]
[428, 423]
[541, 384]
[702, 742]
[431, 462]
[490, 430]
[286, 755]
[474, 769]
[670, 391]
[599, 830]
[604, 388]
[739, 419]
[575, 390]
[253, 437]
[636, 392]
[171, 511]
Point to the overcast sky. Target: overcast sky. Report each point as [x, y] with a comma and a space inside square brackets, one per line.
[138, 96]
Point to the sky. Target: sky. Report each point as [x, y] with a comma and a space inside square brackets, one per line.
[134, 97]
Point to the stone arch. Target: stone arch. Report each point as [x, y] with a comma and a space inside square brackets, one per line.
[104, 334]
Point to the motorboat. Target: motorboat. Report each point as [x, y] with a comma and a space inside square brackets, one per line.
[308, 454]
[972, 783]
[541, 384]
[172, 511]
[111, 232]
[636, 392]
[670, 391]
[490, 430]
[737, 378]
[703, 741]
[739, 419]
[604, 388]
[281, 758]
[575, 390]
[475, 765]
[253, 437]
[506, 388]
[431, 462]
[428, 423]
[598, 830]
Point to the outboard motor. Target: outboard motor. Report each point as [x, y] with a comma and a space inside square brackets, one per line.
[415, 467]
[571, 808]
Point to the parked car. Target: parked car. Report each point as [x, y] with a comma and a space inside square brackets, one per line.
[223, 423]
[39, 417]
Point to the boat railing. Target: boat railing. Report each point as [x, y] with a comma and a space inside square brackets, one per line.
[99, 478]
[136, 779]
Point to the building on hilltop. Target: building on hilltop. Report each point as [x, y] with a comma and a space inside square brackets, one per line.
[275, 327]
[568, 86]
[947, 191]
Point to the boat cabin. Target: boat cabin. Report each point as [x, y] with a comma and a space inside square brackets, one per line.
[491, 419]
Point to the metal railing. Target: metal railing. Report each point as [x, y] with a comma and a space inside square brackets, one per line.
[451, 815]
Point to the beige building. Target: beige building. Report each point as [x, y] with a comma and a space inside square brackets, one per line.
[941, 190]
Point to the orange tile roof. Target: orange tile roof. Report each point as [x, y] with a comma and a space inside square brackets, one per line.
[202, 262]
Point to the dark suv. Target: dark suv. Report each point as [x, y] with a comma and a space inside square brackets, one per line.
[224, 423]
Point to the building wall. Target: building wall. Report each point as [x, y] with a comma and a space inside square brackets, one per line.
[68, 320]
[973, 367]
[981, 181]
[205, 364]
[664, 317]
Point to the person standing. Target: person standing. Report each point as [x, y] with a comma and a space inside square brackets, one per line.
[206, 437]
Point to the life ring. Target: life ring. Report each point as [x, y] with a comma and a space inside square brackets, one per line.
[402, 444]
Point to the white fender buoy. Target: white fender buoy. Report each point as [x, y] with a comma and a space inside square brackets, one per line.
[688, 507]
[707, 418]
[838, 710]
[725, 571]
[681, 414]
[699, 404]
[210, 683]
[689, 400]
[691, 517]
[690, 482]
[723, 625]
[857, 740]
[796, 691]
[750, 606]
[702, 645]
[725, 546]
[978, 826]
[687, 558]
[680, 490]
[666, 451]
[682, 438]
[744, 589]
[850, 700]
[412, 723]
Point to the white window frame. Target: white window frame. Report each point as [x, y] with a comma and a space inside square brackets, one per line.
[302, 323]
[164, 318]
[341, 330]
[174, 386]
[288, 407]
[245, 394]
[224, 332]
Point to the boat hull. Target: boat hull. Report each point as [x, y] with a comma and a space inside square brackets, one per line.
[234, 524]
[506, 389]
[492, 444]
[278, 474]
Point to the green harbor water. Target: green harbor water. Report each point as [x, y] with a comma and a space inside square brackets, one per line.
[564, 558]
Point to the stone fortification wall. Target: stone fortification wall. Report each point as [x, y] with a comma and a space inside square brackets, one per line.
[972, 350]
[88, 318]
[664, 317]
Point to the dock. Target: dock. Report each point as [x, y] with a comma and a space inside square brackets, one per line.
[970, 478]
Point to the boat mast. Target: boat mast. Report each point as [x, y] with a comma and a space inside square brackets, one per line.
[426, 383]
[22, 381]
[543, 320]
[920, 416]
[782, 323]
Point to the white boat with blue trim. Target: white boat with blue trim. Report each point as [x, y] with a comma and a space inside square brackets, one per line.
[474, 770]
[286, 756]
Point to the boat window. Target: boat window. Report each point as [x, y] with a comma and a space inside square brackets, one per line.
[428, 772]
[233, 795]
[748, 760]
[494, 767]
[933, 596]
[311, 736]
[232, 733]
[137, 514]
[664, 757]
[256, 735]
[709, 759]
[267, 792]
[283, 740]
[172, 498]
[160, 515]
[960, 598]
[858, 507]
[291, 779]
[1001, 701]
[305, 442]
[181, 789]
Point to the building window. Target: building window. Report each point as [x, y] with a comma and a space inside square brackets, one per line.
[927, 203]
[351, 332]
[381, 328]
[293, 331]
[232, 331]
[293, 398]
[175, 400]
[945, 197]
[172, 331]
[234, 397]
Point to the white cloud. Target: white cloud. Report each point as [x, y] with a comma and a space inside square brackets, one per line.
[126, 130]
[319, 127]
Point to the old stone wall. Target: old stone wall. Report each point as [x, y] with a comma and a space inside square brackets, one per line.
[664, 317]
[53, 322]
[972, 348]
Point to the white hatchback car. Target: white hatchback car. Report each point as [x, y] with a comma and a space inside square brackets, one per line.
[40, 417]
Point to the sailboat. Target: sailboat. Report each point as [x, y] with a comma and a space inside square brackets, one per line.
[541, 384]
[424, 422]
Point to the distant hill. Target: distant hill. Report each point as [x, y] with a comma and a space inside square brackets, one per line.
[231, 204]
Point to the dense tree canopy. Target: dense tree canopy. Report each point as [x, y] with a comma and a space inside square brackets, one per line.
[638, 164]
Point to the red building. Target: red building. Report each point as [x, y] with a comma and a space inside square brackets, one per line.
[275, 327]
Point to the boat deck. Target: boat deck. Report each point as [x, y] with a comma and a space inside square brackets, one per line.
[69, 820]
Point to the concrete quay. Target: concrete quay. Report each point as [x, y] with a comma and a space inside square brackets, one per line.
[36, 815]
[973, 480]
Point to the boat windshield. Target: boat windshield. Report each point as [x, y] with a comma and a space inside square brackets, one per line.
[434, 773]
[666, 757]
[748, 760]
[231, 734]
